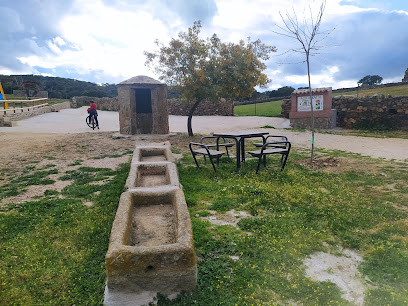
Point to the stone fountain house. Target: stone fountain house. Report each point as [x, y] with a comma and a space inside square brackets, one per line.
[143, 106]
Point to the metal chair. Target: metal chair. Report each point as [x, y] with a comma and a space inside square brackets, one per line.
[224, 143]
[275, 147]
[275, 137]
[205, 151]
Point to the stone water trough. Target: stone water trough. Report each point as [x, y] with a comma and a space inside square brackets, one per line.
[153, 154]
[151, 175]
[151, 245]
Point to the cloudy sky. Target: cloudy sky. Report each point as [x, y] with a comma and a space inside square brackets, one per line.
[102, 41]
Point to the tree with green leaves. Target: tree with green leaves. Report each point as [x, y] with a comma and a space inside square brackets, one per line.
[370, 80]
[209, 69]
[281, 92]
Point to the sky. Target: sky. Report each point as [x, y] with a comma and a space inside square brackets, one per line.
[103, 41]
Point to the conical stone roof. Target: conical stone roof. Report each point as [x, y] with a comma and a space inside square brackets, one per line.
[141, 79]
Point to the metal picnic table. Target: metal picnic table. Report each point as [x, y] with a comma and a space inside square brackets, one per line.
[239, 138]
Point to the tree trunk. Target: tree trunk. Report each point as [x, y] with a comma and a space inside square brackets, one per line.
[311, 106]
[190, 116]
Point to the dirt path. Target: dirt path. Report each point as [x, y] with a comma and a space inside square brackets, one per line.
[71, 121]
[387, 148]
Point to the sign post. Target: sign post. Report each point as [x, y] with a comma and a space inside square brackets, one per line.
[300, 114]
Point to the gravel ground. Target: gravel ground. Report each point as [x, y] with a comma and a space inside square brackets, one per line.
[73, 121]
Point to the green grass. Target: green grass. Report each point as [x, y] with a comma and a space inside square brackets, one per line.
[53, 250]
[266, 109]
[394, 91]
[296, 212]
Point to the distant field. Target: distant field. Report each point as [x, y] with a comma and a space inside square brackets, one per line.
[394, 91]
[267, 109]
[273, 109]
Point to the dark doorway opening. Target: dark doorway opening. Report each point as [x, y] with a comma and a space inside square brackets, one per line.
[143, 101]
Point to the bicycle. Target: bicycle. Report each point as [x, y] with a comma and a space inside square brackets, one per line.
[91, 124]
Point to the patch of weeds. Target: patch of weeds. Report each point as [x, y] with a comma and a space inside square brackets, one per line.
[49, 166]
[268, 127]
[295, 211]
[127, 152]
[107, 156]
[51, 192]
[77, 162]
[80, 190]
[82, 177]
[53, 250]
[9, 190]
[203, 213]
[85, 175]
[36, 178]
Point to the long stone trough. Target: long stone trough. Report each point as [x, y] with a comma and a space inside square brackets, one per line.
[151, 245]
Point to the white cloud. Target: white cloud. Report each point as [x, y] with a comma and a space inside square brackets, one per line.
[59, 41]
[54, 47]
[103, 39]
[323, 79]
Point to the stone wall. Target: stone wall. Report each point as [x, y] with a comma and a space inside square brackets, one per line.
[175, 106]
[205, 108]
[366, 112]
[371, 112]
[306, 123]
[107, 104]
[286, 107]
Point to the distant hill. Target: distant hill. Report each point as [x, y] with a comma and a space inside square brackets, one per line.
[59, 88]
[62, 88]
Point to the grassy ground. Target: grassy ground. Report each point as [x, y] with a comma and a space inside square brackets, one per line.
[394, 91]
[53, 247]
[267, 109]
[296, 213]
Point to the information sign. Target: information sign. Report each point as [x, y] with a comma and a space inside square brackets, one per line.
[303, 103]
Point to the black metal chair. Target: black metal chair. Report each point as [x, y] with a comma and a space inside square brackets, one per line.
[269, 148]
[224, 143]
[201, 149]
[275, 137]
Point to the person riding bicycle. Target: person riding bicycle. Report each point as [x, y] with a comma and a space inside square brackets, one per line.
[93, 113]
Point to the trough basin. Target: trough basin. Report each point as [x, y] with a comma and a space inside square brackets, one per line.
[143, 175]
[152, 154]
[151, 245]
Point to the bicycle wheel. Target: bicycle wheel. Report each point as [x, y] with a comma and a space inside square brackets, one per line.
[91, 123]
